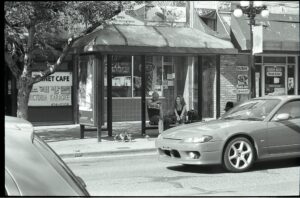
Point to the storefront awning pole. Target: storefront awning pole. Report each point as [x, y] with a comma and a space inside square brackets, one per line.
[200, 88]
[218, 86]
[143, 95]
[109, 94]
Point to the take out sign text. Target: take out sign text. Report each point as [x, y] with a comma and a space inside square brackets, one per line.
[56, 79]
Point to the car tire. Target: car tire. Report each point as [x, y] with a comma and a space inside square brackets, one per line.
[239, 155]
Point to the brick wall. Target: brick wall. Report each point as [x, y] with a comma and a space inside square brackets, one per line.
[208, 87]
[228, 75]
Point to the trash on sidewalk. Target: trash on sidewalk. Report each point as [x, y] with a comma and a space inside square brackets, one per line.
[123, 136]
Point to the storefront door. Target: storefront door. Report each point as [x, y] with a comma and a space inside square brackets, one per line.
[274, 80]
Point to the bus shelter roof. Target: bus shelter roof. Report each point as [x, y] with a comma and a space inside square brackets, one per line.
[134, 39]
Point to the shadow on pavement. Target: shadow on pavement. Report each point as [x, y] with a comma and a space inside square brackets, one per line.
[276, 164]
[204, 169]
[217, 169]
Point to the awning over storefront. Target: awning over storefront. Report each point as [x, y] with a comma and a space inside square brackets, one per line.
[280, 32]
[152, 40]
[223, 28]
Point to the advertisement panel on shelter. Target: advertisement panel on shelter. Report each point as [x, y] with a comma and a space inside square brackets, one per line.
[54, 90]
[86, 92]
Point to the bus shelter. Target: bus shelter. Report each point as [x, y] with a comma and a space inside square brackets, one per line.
[93, 55]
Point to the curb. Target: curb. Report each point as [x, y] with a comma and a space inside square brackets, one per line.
[105, 153]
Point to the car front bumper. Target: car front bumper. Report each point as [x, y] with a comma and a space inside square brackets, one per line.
[174, 151]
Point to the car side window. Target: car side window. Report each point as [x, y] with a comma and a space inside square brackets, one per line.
[291, 108]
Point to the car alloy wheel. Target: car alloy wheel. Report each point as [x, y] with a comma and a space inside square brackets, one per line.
[238, 155]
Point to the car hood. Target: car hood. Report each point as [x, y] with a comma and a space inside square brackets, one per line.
[216, 128]
[17, 124]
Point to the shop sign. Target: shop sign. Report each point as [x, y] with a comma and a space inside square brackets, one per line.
[166, 13]
[206, 4]
[125, 19]
[121, 81]
[121, 69]
[243, 91]
[242, 68]
[274, 73]
[257, 39]
[54, 90]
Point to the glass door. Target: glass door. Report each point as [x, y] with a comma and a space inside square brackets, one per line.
[275, 79]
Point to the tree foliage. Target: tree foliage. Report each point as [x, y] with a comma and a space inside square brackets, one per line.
[42, 26]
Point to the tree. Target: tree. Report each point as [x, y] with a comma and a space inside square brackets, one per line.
[32, 26]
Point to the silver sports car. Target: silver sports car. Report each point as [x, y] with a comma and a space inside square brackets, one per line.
[32, 168]
[258, 129]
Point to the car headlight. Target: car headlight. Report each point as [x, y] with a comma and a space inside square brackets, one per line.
[204, 138]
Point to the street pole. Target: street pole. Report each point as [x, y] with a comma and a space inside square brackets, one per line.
[252, 65]
[251, 9]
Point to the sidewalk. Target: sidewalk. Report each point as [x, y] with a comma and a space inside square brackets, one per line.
[65, 140]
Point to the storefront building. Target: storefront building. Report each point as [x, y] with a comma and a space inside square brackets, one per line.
[198, 50]
[277, 67]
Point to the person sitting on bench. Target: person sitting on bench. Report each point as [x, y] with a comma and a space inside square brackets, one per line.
[180, 109]
[155, 111]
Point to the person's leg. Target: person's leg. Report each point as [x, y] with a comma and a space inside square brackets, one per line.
[154, 119]
[167, 122]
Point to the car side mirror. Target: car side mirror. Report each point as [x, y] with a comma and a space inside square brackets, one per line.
[81, 181]
[282, 116]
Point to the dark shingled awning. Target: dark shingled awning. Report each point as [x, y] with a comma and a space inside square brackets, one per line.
[280, 32]
[133, 39]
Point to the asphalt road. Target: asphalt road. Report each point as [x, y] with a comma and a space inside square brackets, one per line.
[144, 175]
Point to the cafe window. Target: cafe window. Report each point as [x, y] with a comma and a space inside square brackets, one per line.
[121, 76]
[258, 59]
[126, 75]
[291, 79]
[153, 75]
[274, 59]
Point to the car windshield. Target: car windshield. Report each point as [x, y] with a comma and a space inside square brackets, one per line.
[255, 110]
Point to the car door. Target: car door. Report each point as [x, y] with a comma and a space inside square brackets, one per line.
[284, 135]
[11, 187]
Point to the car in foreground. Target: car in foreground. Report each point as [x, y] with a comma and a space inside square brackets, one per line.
[32, 168]
[259, 129]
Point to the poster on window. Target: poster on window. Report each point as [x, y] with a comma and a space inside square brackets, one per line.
[275, 80]
[243, 84]
[86, 95]
[54, 90]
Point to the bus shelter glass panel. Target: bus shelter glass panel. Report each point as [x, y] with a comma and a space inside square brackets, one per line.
[121, 76]
[86, 90]
[153, 76]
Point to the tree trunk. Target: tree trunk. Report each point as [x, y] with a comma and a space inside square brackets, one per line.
[24, 89]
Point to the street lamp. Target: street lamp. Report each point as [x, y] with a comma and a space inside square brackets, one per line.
[251, 9]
